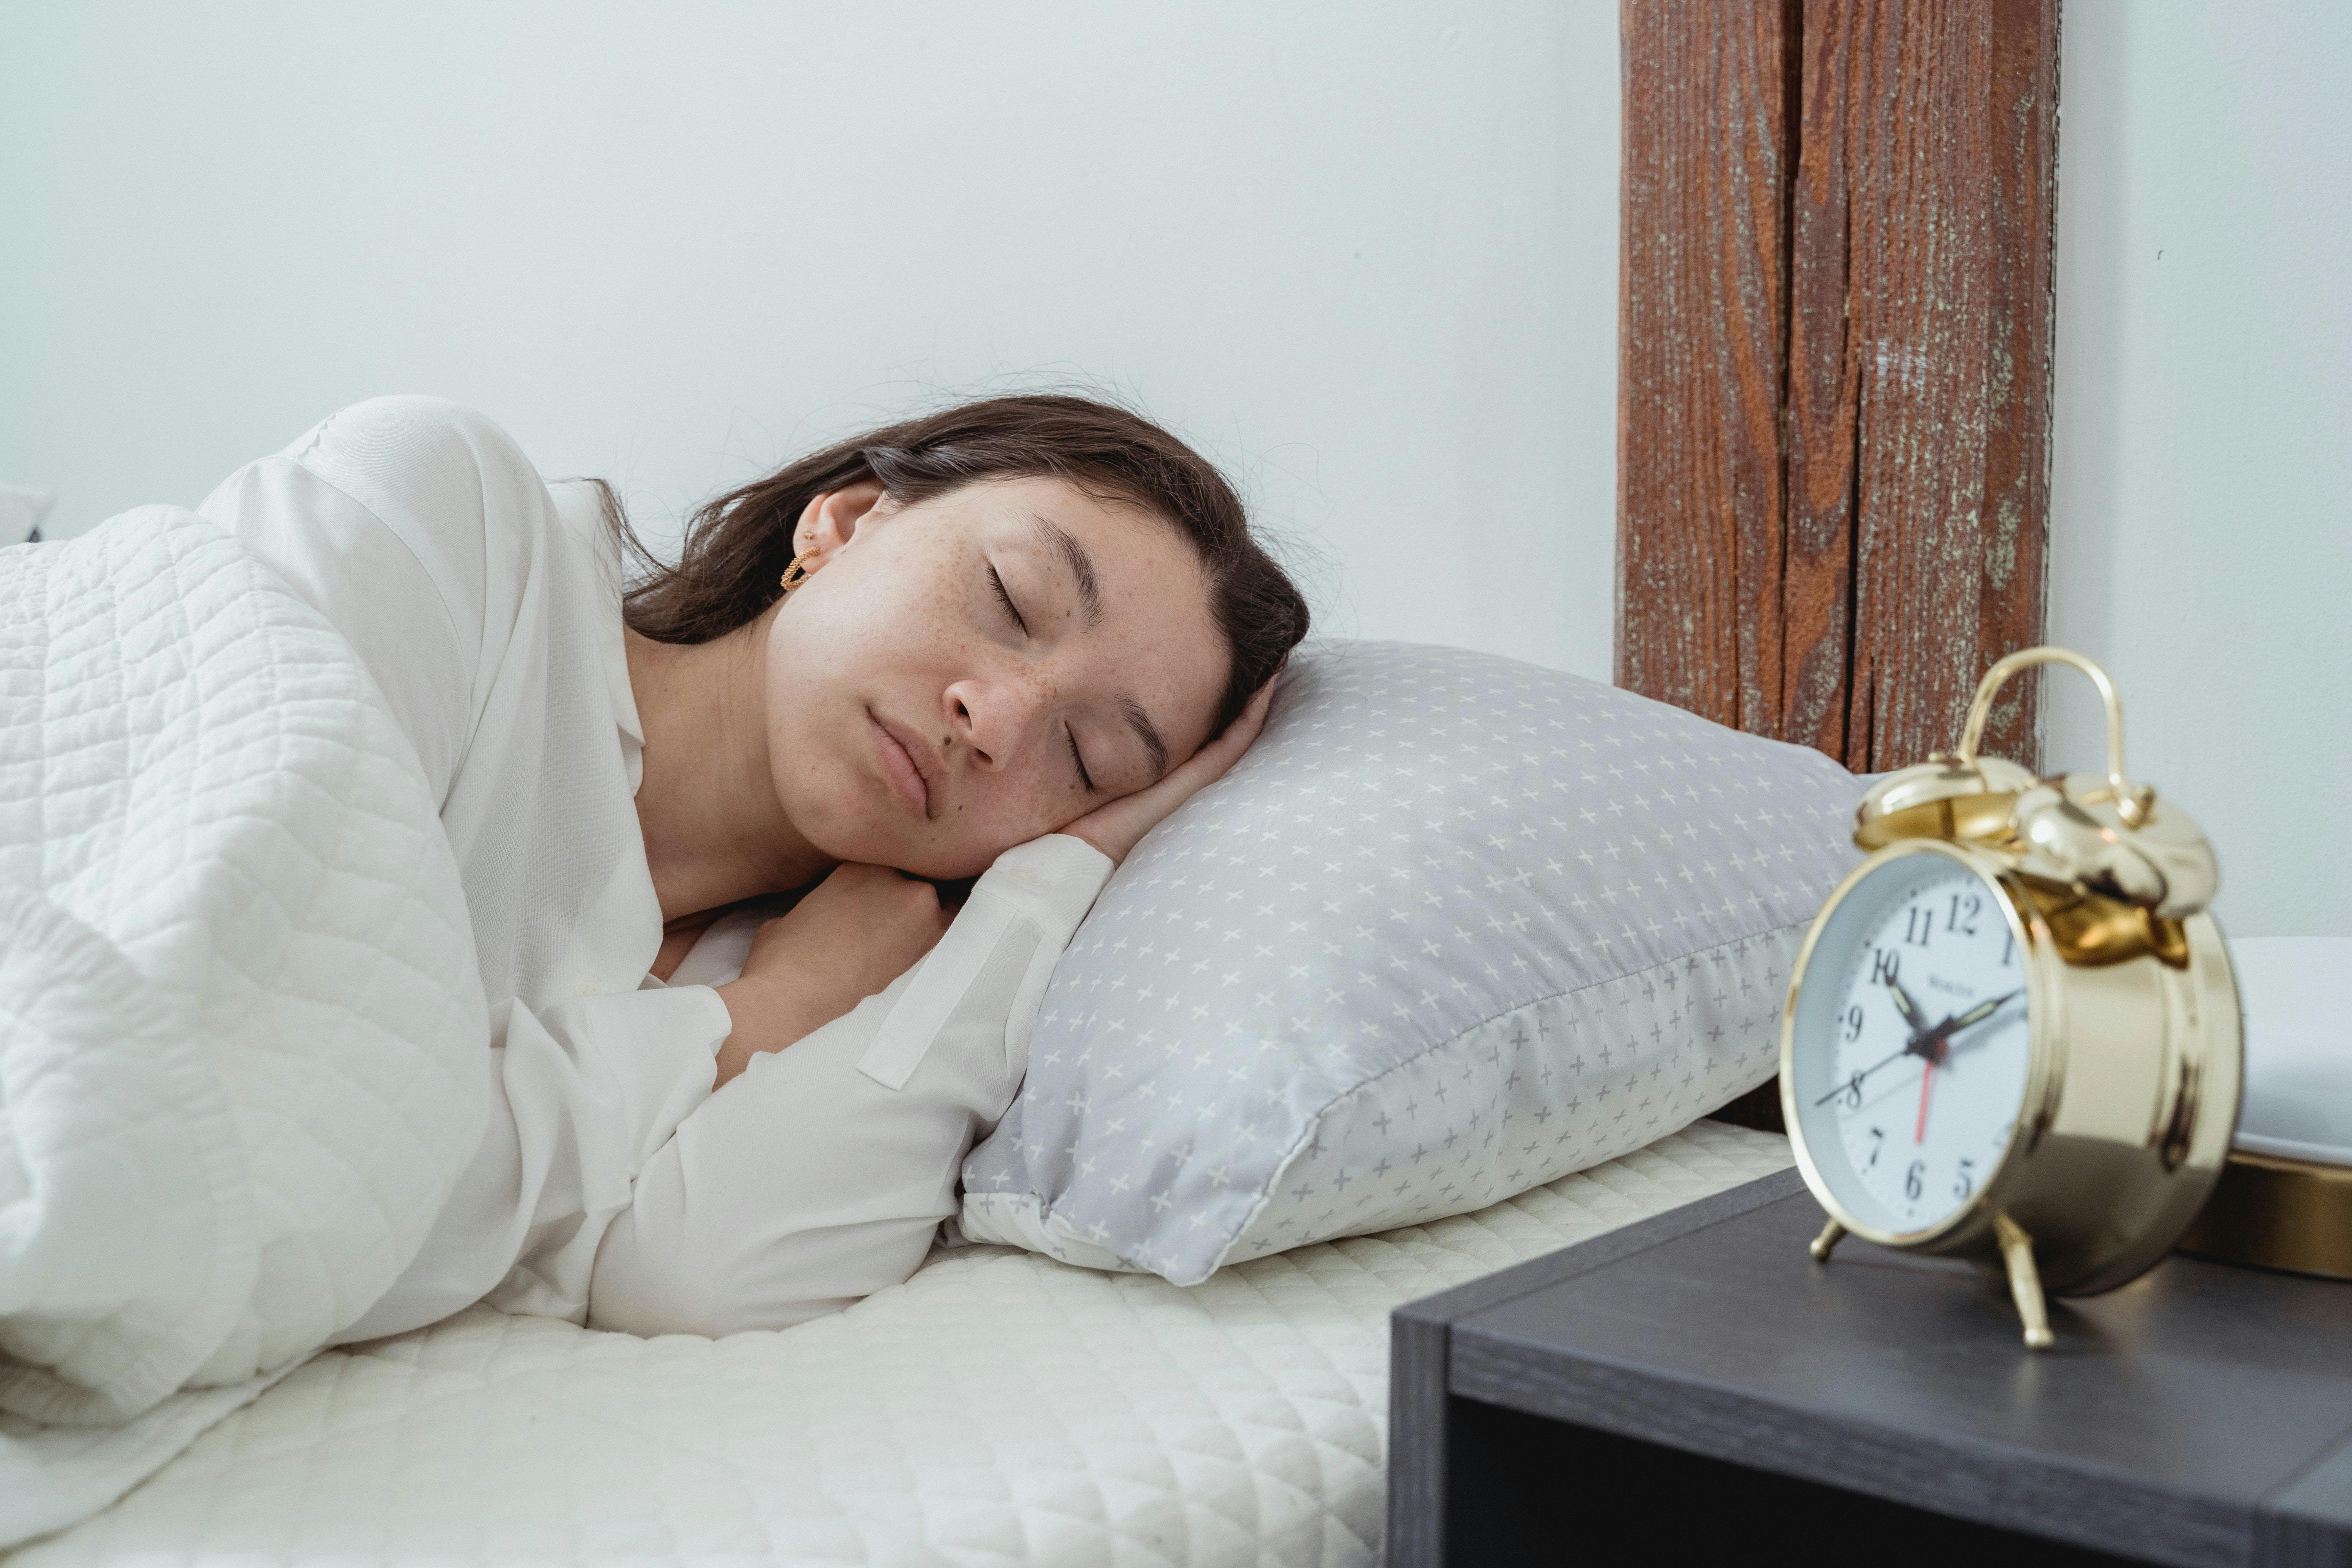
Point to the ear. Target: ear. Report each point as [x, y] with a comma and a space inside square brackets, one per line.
[832, 520]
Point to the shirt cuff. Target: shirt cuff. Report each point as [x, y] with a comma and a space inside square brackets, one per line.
[1054, 880]
[657, 1051]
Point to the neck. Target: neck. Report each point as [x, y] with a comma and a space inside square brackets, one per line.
[714, 831]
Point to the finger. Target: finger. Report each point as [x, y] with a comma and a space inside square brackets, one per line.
[1252, 717]
[1114, 827]
[1226, 749]
[1240, 731]
[1260, 706]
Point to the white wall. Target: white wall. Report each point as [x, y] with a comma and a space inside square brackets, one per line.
[1365, 254]
[2201, 519]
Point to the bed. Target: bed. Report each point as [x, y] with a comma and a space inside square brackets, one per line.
[1005, 1407]
[998, 1408]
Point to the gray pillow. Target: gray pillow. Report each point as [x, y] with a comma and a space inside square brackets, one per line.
[1455, 927]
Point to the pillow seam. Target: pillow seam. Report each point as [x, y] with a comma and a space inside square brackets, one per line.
[1266, 1194]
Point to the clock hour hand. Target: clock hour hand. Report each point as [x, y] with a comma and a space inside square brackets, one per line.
[1924, 1042]
[1904, 1006]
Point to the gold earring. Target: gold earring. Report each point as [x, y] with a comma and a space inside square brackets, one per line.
[795, 574]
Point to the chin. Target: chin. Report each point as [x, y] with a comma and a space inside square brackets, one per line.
[871, 839]
[941, 863]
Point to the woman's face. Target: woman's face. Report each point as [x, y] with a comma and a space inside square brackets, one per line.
[964, 674]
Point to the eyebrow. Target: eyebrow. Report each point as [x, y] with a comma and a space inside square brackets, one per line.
[1140, 722]
[1082, 567]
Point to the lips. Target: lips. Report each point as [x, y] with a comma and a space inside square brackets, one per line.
[901, 764]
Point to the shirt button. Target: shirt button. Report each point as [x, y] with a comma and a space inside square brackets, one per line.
[590, 989]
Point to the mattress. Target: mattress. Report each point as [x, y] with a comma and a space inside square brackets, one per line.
[998, 1408]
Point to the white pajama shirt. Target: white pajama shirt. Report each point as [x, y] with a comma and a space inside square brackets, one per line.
[614, 1188]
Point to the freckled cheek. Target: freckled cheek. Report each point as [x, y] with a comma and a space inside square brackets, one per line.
[1010, 809]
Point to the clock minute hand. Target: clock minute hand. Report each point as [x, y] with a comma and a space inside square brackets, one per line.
[1978, 1013]
[1934, 1043]
[1938, 1037]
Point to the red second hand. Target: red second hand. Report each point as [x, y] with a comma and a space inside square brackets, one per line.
[1927, 1081]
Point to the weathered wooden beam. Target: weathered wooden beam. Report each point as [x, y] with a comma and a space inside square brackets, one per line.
[2022, 226]
[1921, 247]
[1834, 362]
[1703, 329]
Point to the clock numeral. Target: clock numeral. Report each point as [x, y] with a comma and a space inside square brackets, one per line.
[1883, 965]
[1851, 1092]
[1967, 1182]
[1877, 1147]
[1914, 1179]
[1854, 1023]
[1918, 925]
[2008, 948]
[1965, 925]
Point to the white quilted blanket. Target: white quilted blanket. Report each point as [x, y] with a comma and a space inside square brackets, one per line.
[243, 1048]
[1000, 1407]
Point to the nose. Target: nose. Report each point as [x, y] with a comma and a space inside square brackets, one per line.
[994, 716]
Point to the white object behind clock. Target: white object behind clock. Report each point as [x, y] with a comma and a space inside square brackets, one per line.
[2298, 1102]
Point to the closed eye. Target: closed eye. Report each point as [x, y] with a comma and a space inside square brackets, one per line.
[1084, 777]
[996, 581]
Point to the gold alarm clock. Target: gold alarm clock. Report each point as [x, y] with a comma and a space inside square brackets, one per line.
[2012, 1032]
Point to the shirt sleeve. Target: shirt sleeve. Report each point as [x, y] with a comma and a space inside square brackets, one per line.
[486, 616]
[821, 1174]
[583, 1093]
[407, 598]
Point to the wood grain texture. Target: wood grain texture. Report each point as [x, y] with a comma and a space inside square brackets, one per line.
[1919, 413]
[2023, 226]
[1834, 364]
[1417, 1441]
[2308, 1523]
[1703, 325]
[2200, 1416]
[1419, 1355]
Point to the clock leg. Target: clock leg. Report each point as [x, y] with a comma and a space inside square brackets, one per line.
[1821, 1246]
[2024, 1281]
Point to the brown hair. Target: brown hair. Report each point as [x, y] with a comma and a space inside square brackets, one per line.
[737, 546]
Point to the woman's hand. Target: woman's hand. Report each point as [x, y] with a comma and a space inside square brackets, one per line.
[858, 930]
[864, 926]
[1118, 828]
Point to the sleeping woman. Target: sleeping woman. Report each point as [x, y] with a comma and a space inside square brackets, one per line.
[1003, 641]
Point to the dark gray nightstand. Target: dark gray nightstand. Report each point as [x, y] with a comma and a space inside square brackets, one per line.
[1697, 1386]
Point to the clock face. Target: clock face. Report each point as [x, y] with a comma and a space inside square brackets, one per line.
[1910, 1044]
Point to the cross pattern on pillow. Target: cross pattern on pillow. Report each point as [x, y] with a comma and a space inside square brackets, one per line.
[1448, 906]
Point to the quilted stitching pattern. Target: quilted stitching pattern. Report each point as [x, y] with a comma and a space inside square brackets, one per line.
[126, 1230]
[998, 1408]
[195, 770]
